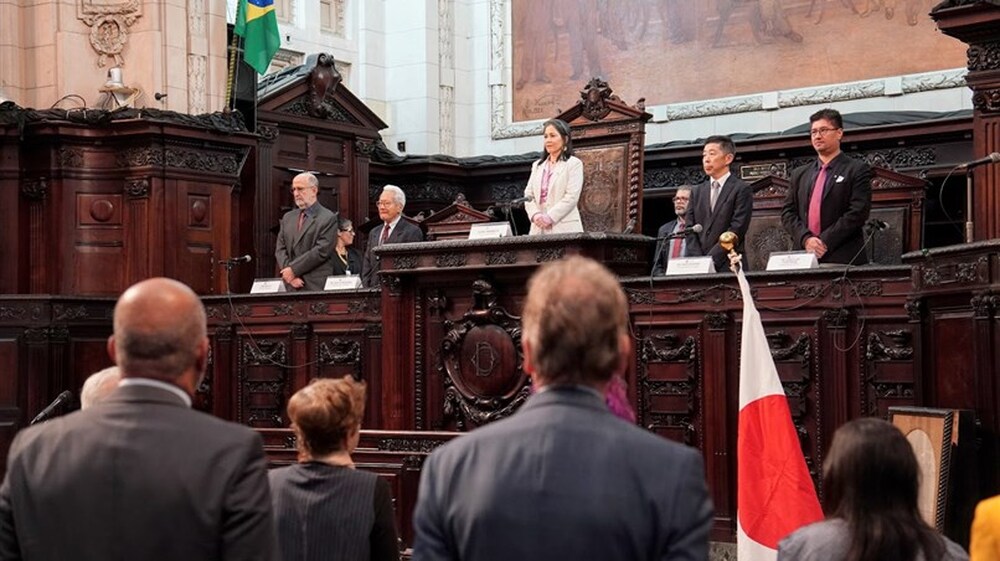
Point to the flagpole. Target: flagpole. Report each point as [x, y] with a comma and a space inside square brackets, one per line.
[231, 74]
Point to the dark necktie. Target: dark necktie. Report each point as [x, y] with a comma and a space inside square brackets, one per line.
[302, 219]
[385, 235]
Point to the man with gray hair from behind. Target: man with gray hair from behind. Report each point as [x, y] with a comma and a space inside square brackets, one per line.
[98, 386]
[564, 478]
[142, 475]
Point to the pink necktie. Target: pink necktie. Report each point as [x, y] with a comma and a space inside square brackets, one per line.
[675, 250]
[816, 202]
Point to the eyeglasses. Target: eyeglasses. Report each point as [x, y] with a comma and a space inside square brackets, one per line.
[682, 198]
[384, 204]
[348, 231]
[821, 131]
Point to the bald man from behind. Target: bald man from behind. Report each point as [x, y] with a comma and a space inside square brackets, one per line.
[142, 476]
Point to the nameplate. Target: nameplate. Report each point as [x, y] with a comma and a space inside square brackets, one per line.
[690, 266]
[489, 230]
[342, 282]
[267, 286]
[791, 260]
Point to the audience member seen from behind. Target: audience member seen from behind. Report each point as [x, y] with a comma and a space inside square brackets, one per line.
[98, 386]
[346, 259]
[870, 484]
[985, 539]
[142, 475]
[555, 184]
[563, 478]
[323, 507]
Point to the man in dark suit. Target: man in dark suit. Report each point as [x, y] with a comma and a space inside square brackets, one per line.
[675, 247]
[563, 478]
[723, 203]
[829, 200]
[308, 235]
[394, 229]
[141, 475]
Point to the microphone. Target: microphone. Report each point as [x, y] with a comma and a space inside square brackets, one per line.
[877, 225]
[991, 159]
[51, 408]
[235, 260]
[696, 229]
[518, 201]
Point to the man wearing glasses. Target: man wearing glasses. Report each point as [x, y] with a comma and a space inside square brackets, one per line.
[394, 229]
[675, 247]
[306, 240]
[829, 200]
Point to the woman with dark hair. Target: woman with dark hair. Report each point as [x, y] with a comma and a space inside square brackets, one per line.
[555, 184]
[870, 484]
[346, 259]
[323, 507]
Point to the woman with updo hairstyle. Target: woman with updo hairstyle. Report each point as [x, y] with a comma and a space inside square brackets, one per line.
[870, 484]
[323, 507]
[555, 184]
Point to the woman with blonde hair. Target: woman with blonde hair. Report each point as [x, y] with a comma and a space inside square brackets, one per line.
[323, 507]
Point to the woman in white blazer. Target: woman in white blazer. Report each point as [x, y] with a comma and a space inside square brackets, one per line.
[555, 184]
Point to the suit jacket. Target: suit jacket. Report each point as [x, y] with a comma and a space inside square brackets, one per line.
[732, 214]
[984, 544]
[353, 263]
[324, 512]
[830, 539]
[404, 232]
[565, 187]
[563, 478]
[663, 248]
[138, 476]
[308, 251]
[847, 200]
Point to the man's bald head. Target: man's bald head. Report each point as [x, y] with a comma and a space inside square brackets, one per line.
[160, 333]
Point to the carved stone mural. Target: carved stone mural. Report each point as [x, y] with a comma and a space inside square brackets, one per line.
[109, 23]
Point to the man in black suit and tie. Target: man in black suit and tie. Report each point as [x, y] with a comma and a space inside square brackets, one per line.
[141, 475]
[829, 200]
[394, 229]
[308, 235]
[724, 203]
[673, 247]
[564, 478]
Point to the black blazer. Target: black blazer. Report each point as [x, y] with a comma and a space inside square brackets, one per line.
[353, 262]
[847, 200]
[663, 248]
[404, 232]
[732, 214]
[326, 512]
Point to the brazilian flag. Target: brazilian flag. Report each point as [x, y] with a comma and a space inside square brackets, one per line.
[258, 26]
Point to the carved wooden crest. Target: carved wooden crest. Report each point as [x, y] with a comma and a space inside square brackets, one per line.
[594, 98]
[481, 362]
[323, 81]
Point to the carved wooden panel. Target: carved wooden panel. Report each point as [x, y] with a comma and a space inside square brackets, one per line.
[97, 243]
[604, 194]
[668, 381]
[889, 369]
[262, 381]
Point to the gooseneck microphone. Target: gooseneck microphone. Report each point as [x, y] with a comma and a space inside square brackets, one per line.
[50, 409]
[990, 159]
[235, 260]
[696, 229]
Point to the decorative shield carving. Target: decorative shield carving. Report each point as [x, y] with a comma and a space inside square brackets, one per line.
[481, 362]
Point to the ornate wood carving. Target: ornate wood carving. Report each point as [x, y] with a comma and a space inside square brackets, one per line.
[35, 189]
[480, 362]
[109, 23]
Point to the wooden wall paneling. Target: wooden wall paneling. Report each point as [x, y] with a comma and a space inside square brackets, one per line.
[264, 377]
[12, 413]
[399, 299]
[97, 243]
[12, 253]
[265, 200]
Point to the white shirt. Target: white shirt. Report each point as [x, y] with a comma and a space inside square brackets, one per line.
[149, 382]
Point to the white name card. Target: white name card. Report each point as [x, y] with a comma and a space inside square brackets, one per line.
[489, 230]
[267, 286]
[791, 260]
[342, 282]
[690, 266]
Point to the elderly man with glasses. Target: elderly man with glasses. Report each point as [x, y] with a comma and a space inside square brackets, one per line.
[394, 229]
[829, 200]
[667, 248]
[305, 241]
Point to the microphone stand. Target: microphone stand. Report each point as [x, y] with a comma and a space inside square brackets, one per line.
[228, 264]
[968, 206]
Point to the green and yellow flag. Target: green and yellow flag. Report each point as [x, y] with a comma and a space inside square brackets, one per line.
[258, 26]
